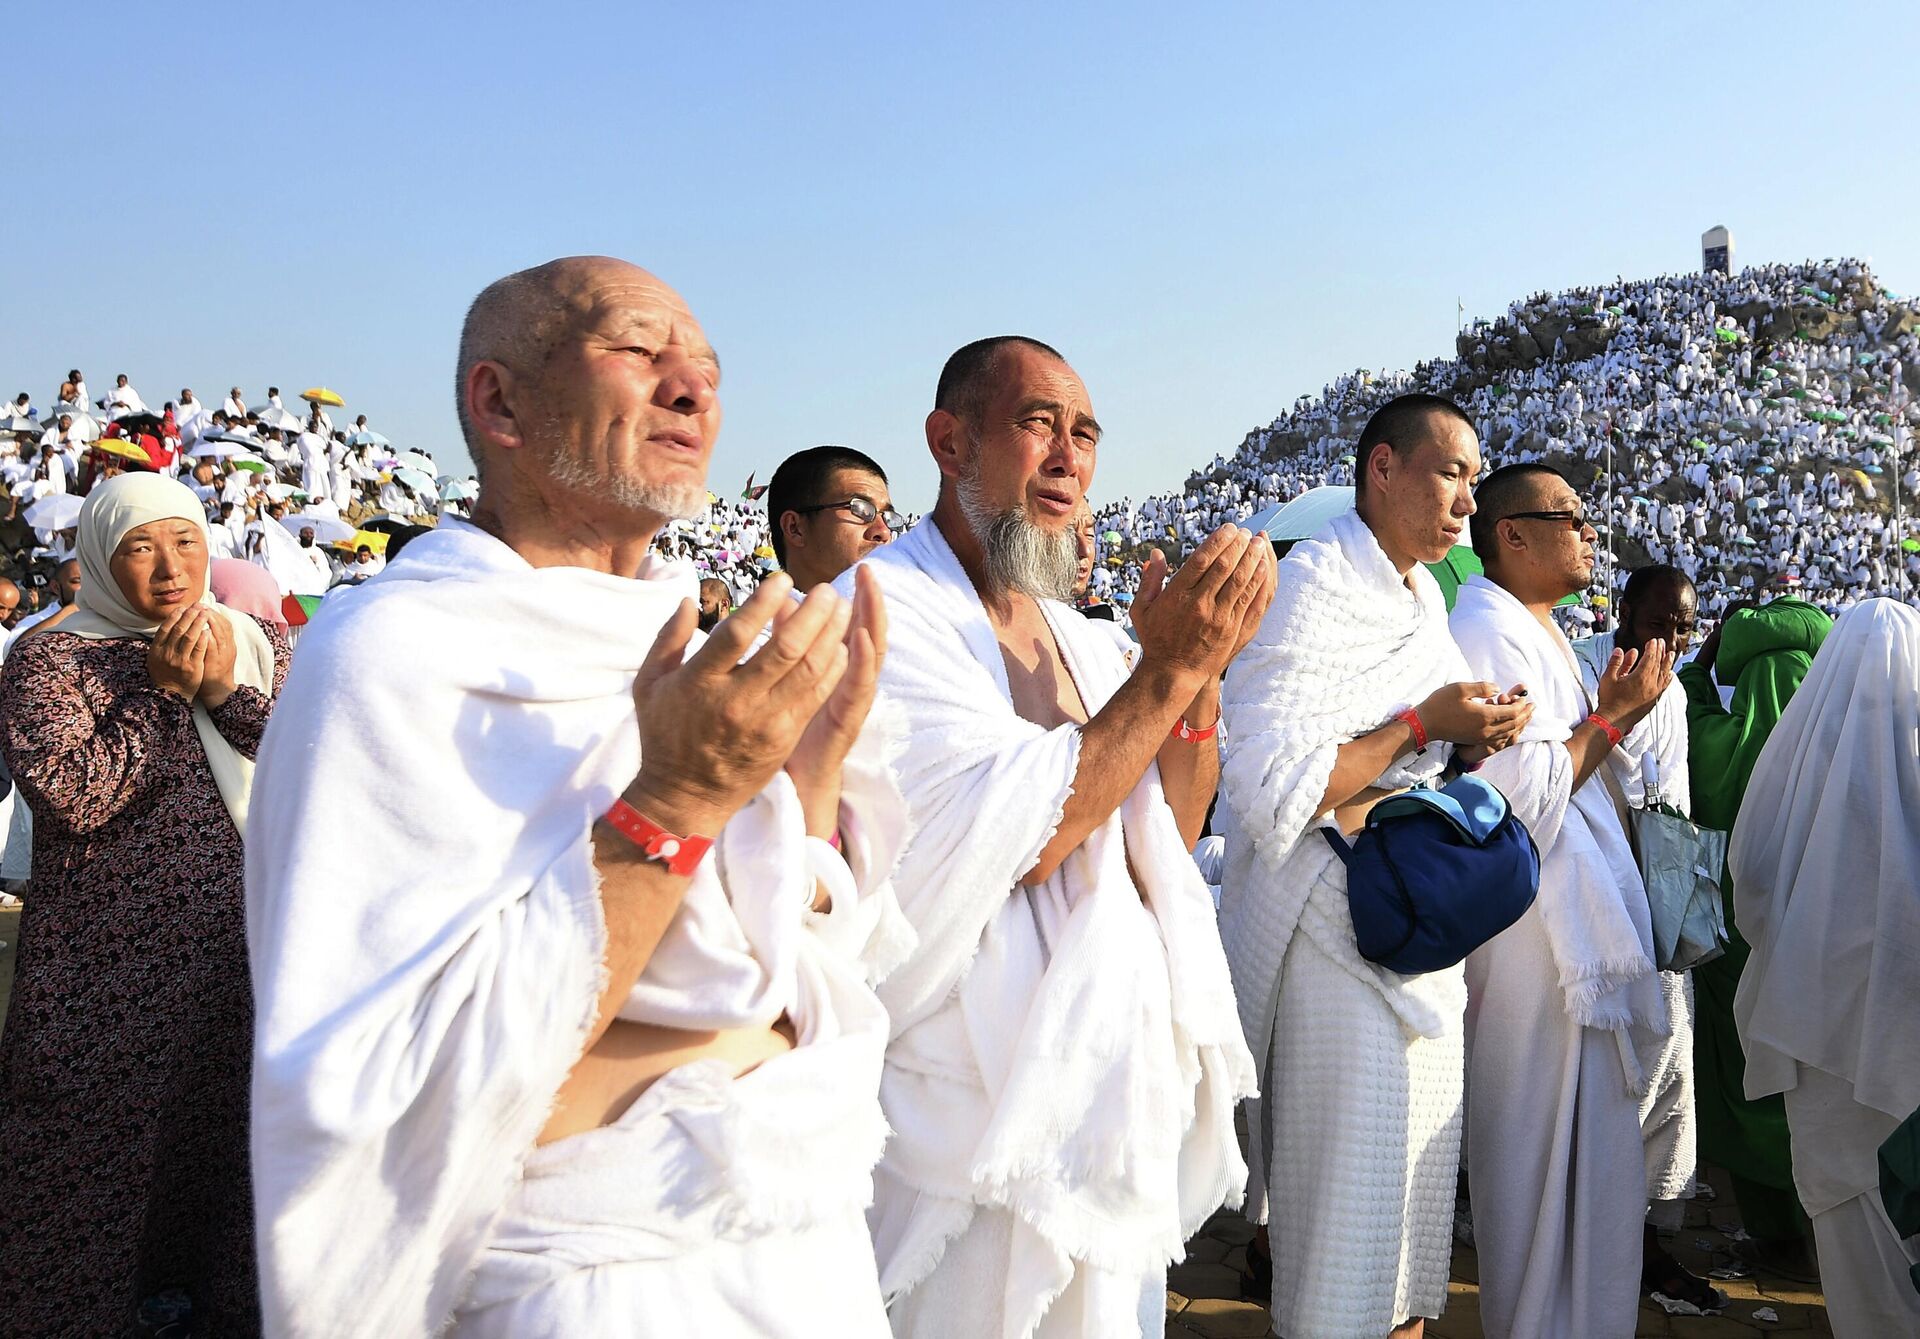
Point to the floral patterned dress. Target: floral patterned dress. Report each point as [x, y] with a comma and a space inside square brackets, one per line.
[126, 1055]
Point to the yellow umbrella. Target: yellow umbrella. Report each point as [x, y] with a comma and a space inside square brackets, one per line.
[373, 539]
[116, 446]
[321, 395]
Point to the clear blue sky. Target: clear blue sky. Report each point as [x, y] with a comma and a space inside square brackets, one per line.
[1210, 211]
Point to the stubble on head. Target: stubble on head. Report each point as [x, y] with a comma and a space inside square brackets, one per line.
[523, 321]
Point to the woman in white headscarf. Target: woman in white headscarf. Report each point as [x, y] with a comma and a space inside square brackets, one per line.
[124, 1066]
[1826, 871]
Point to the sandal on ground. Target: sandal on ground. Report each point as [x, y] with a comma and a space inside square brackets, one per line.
[1790, 1259]
[1677, 1291]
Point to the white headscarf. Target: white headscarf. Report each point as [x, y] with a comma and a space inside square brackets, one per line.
[124, 503]
[1826, 871]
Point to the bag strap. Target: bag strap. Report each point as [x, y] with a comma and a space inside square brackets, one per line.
[1339, 845]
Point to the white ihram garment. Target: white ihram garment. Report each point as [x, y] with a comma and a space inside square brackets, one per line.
[1826, 874]
[1065, 1059]
[1357, 1135]
[1667, 1123]
[1566, 1014]
[427, 948]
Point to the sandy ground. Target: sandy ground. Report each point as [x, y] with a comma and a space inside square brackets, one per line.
[1203, 1292]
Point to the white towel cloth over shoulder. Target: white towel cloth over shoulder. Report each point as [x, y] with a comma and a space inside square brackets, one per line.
[1066, 1052]
[424, 923]
[1592, 902]
[1345, 647]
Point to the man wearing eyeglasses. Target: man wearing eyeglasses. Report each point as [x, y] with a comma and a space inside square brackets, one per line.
[1565, 1018]
[828, 508]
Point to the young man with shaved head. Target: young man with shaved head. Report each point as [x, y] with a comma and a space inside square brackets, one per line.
[1566, 1018]
[1659, 603]
[828, 507]
[1352, 690]
[1065, 1058]
[562, 1025]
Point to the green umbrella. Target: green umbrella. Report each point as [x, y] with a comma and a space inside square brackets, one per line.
[1910, 545]
[1453, 570]
[1460, 563]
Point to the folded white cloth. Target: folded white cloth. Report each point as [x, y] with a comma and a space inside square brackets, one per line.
[737, 1203]
[1066, 1051]
[424, 921]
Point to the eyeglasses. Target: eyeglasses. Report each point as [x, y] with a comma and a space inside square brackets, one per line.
[1575, 520]
[862, 510]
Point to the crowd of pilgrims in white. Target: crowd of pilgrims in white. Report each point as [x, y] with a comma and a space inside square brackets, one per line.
[1751, 463]
[1757, 463]
[285, 487]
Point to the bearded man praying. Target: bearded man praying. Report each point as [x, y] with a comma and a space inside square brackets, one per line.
[1065, 1056]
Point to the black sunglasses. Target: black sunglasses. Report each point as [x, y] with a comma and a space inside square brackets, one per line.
[1575, 520]
[862, 509]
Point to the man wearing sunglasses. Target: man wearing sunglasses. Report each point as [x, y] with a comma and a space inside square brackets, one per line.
[1566, 1017]
[828, 508]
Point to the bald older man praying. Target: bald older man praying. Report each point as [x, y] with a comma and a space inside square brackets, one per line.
[563, 1017]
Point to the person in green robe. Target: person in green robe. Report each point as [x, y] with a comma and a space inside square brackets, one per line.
[1763, 653]
[1900, 1181]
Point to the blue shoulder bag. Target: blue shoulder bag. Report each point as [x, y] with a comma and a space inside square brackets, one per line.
[1435, 874]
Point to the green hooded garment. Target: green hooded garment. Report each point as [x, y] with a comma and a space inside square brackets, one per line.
[1764, 653]
[1900, 1181]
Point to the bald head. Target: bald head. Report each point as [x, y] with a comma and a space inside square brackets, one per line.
[587, 388]
[519, 321]
[9, 602]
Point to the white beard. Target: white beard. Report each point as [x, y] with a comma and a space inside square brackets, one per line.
[670, 502]
[1020, 556]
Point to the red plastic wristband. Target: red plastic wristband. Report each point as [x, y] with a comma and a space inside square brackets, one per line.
[1186, 733]
[1412, 717]
[681, 855]
[1613, 733]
